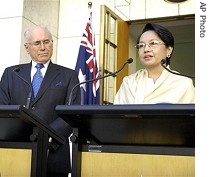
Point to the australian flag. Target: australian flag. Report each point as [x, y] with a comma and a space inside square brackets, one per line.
[87, 67]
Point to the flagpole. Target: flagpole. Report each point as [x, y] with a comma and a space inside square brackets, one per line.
[89, 5]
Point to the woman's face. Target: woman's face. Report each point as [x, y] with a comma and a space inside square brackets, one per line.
[152, 49]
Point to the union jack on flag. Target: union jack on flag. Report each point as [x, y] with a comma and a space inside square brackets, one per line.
[87, 67]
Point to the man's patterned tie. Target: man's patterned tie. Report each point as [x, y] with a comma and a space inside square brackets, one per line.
[37, 79]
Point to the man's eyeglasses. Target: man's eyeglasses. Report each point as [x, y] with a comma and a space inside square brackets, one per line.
[38, 43]
[151, 44]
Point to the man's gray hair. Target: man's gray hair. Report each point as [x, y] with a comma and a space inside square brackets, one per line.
[28, 32]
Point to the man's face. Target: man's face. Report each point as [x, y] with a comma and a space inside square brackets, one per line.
[40, 45]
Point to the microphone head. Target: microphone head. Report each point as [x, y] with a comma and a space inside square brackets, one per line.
[163, 61]
[130, 60]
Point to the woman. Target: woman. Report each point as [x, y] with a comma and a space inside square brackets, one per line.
[154, 84]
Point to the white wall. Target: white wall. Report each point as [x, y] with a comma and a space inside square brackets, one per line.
[10, 32]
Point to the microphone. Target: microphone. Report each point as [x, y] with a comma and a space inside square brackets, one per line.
[109, 72]
[130, 60]
[163, 61]
[16, 70]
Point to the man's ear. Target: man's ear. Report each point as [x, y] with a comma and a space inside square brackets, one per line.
[26, 47]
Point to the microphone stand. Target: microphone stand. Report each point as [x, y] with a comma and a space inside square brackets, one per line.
[130, 60]
[163, 61]
[28, 102]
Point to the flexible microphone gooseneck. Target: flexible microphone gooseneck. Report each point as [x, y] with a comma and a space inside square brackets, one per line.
[130, 60]
[16, 70]
[163, 61]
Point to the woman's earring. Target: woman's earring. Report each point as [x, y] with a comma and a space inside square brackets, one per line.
[169, 55]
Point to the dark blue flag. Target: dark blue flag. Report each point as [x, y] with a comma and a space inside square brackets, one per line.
[87, 67]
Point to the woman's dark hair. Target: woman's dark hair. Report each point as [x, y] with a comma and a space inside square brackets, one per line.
[164, 34]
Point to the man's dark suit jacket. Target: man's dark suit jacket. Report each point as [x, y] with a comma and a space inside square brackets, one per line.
[55, 90]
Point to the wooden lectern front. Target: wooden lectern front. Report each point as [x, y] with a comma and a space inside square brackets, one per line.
[23, 133]
[103, 134]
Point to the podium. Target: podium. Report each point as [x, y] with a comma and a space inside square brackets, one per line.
[21, 129]
[163, 129]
